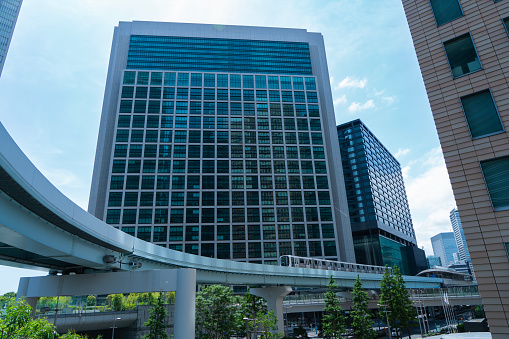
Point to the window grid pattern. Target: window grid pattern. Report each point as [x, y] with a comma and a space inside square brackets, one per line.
[373, 179]
[226, 168]
[9, 10]
[218, 55]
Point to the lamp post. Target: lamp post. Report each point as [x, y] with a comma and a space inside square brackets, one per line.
[286, 318]
[247, 320]
[387, 317]
[113, 328]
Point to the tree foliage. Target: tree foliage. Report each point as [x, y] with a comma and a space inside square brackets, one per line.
[156, 320]
[362, 324]
[216, 313]
[397, 300]
[18, 323]
[333, 321]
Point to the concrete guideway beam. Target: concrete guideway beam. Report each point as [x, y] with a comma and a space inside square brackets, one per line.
[182, 281]
[274, 297]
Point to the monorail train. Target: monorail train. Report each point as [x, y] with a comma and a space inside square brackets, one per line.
[323, 264]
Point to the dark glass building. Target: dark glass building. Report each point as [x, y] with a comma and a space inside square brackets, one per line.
[382, 228]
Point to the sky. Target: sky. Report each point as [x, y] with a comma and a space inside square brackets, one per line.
[53, 81]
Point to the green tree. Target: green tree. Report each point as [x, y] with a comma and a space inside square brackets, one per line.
[361, 318]
[216, 312]
[479, 312]
[396, 300]
[156, 320]
[333, 321]
[91, 300]
[18, 323]
[268, 324]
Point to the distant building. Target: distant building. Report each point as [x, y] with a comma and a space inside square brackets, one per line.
[459, 236]
[433, 261]
[9, 10]
[382, 227]
[444, 246]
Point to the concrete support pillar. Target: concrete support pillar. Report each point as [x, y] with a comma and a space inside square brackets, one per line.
[22, 293]
[274, 297]
[185, 304]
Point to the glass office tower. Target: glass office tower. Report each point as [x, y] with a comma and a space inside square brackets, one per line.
[380, 218]
[444, 246]
[459, 235]
[217, 141]
[9, 11]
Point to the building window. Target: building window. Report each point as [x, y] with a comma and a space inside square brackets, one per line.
[496, 176]
[446, 11]
[481, 114]
[462, 56]
[506, 24]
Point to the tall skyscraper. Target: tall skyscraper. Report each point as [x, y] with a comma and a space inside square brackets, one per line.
[459, 235]
[9, 11]
[462, 48]
[382, 227]
[444, 246]
[220, 141]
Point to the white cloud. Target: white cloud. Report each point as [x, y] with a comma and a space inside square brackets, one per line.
[352, 82]
[62, 177]
[355, 106]
[401, 152]
[429, 196]
[388, 100]
[331, 79]
[340, 100]
[380, 93]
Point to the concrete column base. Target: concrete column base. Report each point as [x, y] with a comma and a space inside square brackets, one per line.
[274, 297]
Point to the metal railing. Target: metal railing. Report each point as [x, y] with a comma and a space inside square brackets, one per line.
[415, 294]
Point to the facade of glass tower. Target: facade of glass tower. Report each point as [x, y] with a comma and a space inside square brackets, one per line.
[219, 141]
[9, 11]
[444, 246]
[382, 228]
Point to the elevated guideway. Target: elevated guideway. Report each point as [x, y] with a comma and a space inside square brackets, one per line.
[41, 228]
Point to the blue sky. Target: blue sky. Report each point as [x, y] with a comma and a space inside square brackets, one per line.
[53, 81]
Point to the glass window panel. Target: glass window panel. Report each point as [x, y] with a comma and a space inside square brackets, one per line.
[496, 176]
[196, 79]
[446, 10]
[129, 77]
[481, 113]
[462, 55]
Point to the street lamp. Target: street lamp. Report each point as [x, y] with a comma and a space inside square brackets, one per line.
[286, 318]
[113, 328]
[387, 317]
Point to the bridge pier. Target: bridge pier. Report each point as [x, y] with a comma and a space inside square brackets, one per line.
[182, 281]
[274, 297]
